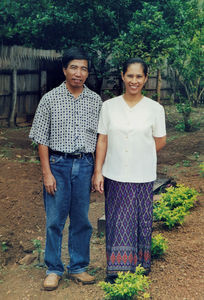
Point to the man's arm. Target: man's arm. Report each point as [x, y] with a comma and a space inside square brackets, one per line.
[48, 179]
[160, 142]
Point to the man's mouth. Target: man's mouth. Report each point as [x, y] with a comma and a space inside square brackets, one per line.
[77, 80]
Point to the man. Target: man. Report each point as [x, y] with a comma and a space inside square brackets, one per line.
[65, 128]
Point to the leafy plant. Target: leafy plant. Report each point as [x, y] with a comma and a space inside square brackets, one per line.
[186, 163]
[180, 126]
[196, 155]
[185, 109]
[180, 196]
[159, 246]
[127, 285]
[201, 166]
[34, 145]
[170, 217]
[38, 246]
[4, 246]
[173, 205]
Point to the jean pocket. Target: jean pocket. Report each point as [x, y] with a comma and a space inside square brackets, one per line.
[54, 159]
[89, 159]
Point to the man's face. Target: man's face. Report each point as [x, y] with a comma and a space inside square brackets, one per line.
[76, 73]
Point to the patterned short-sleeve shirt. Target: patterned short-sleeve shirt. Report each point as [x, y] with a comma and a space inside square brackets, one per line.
[65, 123]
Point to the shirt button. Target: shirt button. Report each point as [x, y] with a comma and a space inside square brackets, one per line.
[126, 150]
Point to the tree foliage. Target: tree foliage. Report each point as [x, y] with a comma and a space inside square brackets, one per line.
[50, 24]
[111, 31]
[186, 56]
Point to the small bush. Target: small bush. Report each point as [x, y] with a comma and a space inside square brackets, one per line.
[169, 217]
[159, 246]
[201, 166]
[127, 286]
[4, 246]
[38, 248]
[180, 196]
[174, 205]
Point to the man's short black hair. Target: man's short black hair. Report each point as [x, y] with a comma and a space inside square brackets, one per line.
[74, 53]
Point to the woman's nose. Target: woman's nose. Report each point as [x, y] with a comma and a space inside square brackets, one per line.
[134, 80]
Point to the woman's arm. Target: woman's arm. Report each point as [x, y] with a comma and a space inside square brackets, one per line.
[160, 142]
[48, 179]
[101, 148]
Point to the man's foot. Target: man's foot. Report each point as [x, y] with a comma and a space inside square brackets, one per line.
[83, 277]
[51, 282]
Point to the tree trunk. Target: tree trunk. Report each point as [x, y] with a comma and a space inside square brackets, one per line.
[12, 118]
[158, 87]
[99, 83]
[43, 83]
[186, 118]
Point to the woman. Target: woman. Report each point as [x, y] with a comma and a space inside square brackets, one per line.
[131, 130]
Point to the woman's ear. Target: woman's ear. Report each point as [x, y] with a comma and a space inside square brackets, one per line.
[122, 76]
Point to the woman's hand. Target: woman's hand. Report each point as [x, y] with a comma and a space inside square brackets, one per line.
[98, 182]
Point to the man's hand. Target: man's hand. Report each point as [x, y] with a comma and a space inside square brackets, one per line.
[50, 184]
[48, 179]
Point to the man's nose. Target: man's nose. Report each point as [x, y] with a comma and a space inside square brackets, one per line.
[78, 72]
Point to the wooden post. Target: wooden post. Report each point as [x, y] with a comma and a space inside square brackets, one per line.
[43, 83]
[12, 119]
[159, 82]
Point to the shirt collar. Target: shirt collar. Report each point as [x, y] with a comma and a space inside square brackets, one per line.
[63, 89]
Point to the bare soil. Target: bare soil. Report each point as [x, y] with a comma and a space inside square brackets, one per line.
[179, 274]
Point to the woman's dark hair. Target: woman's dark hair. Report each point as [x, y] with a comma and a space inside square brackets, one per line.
[74, 53]
[135, 60]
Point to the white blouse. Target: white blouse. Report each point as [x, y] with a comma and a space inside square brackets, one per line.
[131, 152]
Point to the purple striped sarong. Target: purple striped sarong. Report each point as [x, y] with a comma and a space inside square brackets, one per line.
[129, 215]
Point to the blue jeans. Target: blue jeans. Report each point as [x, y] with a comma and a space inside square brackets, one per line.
[73, 177]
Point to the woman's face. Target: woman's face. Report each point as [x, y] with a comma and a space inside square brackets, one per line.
[134, 79]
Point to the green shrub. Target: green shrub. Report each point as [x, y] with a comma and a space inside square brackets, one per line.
[127, 286]
[180, 126]
[34, 145]
[4, 246]
[38, 248]
[201, 166]
[180, 196]
[159, 246]
[174, 205]
[169, 217]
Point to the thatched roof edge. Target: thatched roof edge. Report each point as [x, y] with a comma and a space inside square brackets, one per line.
[18, 52]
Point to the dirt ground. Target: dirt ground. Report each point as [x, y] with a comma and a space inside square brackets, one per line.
[179, 274]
